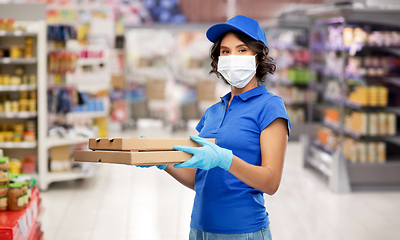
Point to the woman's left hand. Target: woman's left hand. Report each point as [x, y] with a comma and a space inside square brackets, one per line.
[206, 157]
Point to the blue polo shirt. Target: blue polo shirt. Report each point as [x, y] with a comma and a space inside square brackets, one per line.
[223, 203]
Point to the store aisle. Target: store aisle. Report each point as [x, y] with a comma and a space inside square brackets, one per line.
[130, 203]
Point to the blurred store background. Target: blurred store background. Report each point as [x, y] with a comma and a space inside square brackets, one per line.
[76, 69]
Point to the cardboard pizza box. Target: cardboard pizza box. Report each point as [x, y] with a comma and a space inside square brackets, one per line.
[141, 144]
[132, 158]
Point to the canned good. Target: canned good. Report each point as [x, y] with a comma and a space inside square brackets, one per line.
[32, 105]
[16, 198]
[3, 197]
[4, 169]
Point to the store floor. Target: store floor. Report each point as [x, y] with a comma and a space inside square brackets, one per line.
[130, 203]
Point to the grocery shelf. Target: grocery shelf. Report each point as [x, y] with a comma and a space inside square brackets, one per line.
[18, 115]
[386, 173]
[321, 146]
[336, 101]
[93, 114]
[319, 166]
[24, 87]
[287, 82]
[67, 176]
[56, 142]
[336, 127]
[17, 33]
[13, 145]
[90, 61]
[393, 80]
[18, 60]
[83, 114]
[346, 176]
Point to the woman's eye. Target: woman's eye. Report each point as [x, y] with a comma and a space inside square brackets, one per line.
[242, 50]
[224, 52]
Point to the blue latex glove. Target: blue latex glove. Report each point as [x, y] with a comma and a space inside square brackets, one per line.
[161, 167]
[206, 157]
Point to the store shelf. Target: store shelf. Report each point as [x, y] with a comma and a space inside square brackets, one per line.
[94, 114]
[17, 33]
[393, 80]
[386, 173]
[18, 60]
[336, 101]
[287, 82]
[18, 115]
[319, 165]
[91, 61]
[334, 126]
[10, 88]
[56, 142]
[21, 224]
[83, 114]
[67, 176]
[350, 133]
[321, 146]
[14, 145]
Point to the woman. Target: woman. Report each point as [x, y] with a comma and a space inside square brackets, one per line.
[251, 127]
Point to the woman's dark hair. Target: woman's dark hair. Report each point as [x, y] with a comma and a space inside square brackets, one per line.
[265, 63]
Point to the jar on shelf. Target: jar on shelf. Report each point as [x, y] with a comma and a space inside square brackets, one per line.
[7, 106]
[25, 179]
[3, 197]
[8, 136]
[4, 170]
[32, 95]
[23, 94]
[32, 79]
[23, 105]
[16, 199]
[9, 24]
[29, 136]
[25, 79]
[32, 105]
[6, 79]
[14, 106]
[29, 165]
[19, 128]
[24, 187]
[2, 25]
[15, 166]
[15, 51]
[15, 80]
[17, 137]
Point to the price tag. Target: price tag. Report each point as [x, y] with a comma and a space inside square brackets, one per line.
[23, 227]
[17, 33]
[34, 209]
[29, 217]
[3, 33]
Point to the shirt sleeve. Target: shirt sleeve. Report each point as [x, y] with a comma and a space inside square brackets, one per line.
[200, 125]
[274, 108]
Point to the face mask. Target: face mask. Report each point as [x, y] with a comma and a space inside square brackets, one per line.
[238, 70]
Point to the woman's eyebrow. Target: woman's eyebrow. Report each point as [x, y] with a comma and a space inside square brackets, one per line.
[224, 47]
[241, 45]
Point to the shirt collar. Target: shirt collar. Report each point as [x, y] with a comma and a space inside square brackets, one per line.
[247, 95]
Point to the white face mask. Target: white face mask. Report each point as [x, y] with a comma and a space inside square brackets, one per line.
[238, 70]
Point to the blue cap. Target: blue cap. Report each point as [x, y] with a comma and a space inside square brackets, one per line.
[239, 23]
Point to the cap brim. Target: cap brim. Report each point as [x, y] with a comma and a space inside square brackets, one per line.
[218, 29]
